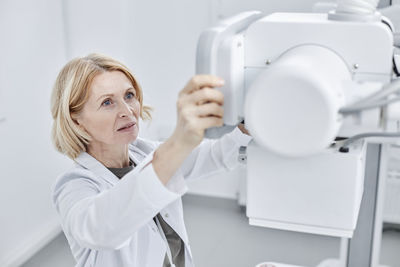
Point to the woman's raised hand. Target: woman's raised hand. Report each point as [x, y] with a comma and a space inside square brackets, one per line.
[199, 107]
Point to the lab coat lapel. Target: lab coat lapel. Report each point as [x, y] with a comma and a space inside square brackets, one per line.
[92, 164]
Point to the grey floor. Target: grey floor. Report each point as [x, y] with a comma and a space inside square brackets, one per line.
[221, 236]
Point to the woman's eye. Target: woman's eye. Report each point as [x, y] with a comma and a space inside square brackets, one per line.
[106, 102]
[130, 95]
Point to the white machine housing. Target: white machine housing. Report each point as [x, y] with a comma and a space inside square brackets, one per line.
[311, 69]
[319, 194]
[287, 75]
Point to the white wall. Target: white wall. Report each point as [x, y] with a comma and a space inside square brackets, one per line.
[230, 7]
[31, 53]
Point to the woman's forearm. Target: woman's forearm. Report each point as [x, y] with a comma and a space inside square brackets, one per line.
[168, 158]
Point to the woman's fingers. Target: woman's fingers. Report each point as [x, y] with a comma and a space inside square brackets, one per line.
[207, 95]
[210, 109]
[207, 122]
[199, 107]
[200, 81]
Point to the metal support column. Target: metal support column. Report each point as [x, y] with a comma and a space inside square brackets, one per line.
[364, 247]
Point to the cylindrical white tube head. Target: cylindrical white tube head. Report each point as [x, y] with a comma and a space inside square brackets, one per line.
[292, 107]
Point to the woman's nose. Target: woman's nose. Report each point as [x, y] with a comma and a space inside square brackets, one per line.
[124, 110]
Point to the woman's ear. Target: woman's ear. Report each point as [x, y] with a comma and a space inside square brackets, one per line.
[77, 119]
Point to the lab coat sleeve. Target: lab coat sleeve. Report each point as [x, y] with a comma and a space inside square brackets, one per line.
[108, 219]
[215, 155]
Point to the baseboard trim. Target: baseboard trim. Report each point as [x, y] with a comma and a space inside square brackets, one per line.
[31, 245]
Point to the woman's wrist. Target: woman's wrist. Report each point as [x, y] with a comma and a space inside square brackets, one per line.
[177, 144]
[169, 157]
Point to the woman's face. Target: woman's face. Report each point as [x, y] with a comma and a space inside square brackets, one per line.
[111, 114]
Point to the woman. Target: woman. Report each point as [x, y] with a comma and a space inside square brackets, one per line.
[120, 203]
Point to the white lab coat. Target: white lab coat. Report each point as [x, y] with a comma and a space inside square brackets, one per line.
[109, 222]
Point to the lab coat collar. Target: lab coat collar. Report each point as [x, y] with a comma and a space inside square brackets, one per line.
[87, 161]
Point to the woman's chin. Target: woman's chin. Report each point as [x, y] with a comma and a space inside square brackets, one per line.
[129, 138]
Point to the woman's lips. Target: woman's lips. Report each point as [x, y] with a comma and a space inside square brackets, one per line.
[127, 129]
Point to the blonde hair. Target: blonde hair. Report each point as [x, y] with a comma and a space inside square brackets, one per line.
[71, 92]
